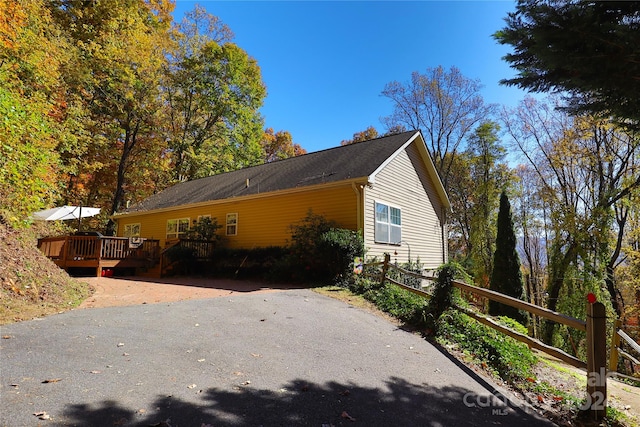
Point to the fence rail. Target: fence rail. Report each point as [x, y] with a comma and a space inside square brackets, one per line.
[620, 336]
[594, 326]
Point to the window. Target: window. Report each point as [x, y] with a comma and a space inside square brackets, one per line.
[201, 217]
[132, 230]
[177, 227]
[232, 224]
[388, 224]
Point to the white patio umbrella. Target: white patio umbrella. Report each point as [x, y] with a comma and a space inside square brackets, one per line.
[63, 213]
[66, 212]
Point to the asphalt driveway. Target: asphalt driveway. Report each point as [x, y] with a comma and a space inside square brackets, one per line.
[289, 358]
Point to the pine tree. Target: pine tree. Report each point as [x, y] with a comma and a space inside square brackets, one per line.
[506, 276]
[586, 51]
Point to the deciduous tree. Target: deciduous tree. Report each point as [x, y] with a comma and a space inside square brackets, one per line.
[214, 90]
[589, 170]
[530, 216]
[488, 174]
[279, 145]
[365, 135]
[122, 46]
[33, 107]
[445, 105]
[477, 174]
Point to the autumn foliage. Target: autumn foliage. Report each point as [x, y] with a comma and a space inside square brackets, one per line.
[105, 103]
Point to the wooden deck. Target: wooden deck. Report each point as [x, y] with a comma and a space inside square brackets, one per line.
[101, 252]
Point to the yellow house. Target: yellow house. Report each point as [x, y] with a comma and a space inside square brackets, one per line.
[387, 188]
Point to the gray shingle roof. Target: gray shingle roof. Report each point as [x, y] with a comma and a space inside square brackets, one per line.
[331, 165]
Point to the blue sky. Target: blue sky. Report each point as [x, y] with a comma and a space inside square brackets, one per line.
[325, 63]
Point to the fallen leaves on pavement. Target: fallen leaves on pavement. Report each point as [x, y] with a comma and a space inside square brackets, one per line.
[345, 415]
[42, 415]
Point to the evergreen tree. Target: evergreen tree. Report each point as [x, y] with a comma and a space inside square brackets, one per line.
[587, 51]
[506, 276]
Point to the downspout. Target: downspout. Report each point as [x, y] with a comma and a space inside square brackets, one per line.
[358, 189]
[443, 229]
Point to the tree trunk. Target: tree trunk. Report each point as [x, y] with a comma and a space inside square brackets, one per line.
[556, 281]
[118, 196]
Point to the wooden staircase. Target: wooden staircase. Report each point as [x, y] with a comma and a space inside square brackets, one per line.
[153, 272]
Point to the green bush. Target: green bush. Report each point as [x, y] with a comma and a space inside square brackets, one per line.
[180, 253]
[400, 303]
[182, 259]
[339, 247]
[510, 359]
[204, 229]
[245, 263]
[319, 252]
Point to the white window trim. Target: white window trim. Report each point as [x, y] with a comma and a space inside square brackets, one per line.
[178, 233]
[233, 225]
[128, 227]
[375, 223]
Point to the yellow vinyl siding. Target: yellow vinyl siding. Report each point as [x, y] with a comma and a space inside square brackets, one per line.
[262, 221]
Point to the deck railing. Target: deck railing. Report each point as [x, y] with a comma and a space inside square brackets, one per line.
[99, 251]
[183, 254]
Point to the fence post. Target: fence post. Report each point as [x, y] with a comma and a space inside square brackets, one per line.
[615, 343]
[596, 360]
[385, 268]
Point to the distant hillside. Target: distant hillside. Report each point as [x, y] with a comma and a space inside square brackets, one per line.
[30, 284]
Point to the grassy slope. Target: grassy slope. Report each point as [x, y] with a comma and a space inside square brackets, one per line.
[31, 285]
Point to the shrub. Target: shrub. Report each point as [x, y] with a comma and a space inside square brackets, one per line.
[204, 229]
[444, 295]
[400, 303]
[339, 247]
[510, 359]
[245, 263]
[319, 252]
[182, 259]
[179, 253]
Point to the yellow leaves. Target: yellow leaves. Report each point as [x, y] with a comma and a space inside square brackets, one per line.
[12, 20]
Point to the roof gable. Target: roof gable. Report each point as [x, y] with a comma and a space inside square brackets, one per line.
[361, 160]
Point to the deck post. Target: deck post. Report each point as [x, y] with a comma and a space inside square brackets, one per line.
[596, 402]
[66, 247]
[98, 254]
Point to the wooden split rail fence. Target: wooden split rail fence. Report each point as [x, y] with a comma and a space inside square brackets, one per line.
[594, 326]
[619, 336]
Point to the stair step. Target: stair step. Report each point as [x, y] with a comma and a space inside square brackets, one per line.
[150, 272]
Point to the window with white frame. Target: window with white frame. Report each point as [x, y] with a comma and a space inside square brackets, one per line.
[177, 227]
[201, 217]
[232, 224]
[388, 223]
[132, 230]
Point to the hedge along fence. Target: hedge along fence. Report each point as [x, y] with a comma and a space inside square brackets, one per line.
[594, 326]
